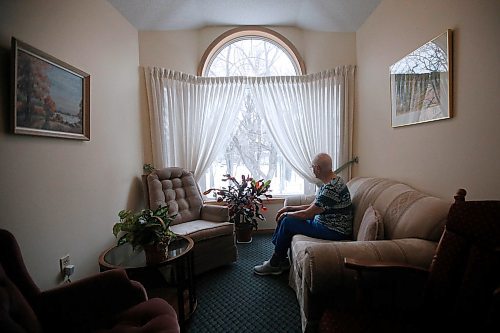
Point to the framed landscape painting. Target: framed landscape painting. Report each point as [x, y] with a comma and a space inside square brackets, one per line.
[49, 97]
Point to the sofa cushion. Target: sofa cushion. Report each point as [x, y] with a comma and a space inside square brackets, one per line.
[200, 230]
[407, 213]
[372, 226]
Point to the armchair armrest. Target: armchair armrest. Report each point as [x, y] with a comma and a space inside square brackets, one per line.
[89, 302]
[215, 213]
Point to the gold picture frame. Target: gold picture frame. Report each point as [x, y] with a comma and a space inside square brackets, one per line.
[49, 97]
[421, 83]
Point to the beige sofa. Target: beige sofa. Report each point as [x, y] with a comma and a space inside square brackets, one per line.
[413, 223]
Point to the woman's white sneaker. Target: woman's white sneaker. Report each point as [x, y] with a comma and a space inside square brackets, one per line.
[267, 269]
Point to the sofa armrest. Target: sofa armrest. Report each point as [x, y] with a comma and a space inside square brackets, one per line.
[215, 213]
[89, 302]
[323, 269]
[299, 200]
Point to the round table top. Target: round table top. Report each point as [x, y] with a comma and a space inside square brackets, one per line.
[123, 256]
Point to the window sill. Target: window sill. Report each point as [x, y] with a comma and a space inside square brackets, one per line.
[279, 200]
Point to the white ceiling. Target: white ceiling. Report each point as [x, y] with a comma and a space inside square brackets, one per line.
[319, 15]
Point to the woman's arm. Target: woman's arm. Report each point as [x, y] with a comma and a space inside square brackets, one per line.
[290, 209]
[304, 214]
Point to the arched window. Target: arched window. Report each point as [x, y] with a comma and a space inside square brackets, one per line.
[253, 52]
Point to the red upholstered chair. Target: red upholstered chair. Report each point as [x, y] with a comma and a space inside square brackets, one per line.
[105, 302]
[459, 293]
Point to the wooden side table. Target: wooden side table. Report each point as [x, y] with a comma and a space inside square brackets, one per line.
[174, 274]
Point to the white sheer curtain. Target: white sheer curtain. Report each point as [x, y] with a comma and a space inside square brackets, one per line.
[309, 114]
[191, 117]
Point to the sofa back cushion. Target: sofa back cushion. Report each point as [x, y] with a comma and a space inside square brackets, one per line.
[372, 226]
[406, 212]
[176, 188]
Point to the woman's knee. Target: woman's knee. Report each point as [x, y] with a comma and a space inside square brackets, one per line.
[290, 225]
[285, 223]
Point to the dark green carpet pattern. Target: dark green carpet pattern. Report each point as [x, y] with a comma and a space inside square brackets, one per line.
[232, 299]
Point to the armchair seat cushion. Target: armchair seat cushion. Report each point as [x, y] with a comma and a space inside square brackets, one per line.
[202, 230]
[154, 315]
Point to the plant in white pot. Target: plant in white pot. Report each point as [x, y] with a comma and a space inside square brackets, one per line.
[244, 200]
[146, 229]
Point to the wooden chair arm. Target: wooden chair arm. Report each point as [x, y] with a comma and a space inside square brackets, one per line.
[376, 266]
[397, 284]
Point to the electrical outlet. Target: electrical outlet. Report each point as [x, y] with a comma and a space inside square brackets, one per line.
[63, 262]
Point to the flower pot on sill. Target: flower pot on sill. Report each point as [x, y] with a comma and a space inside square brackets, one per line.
[244, 234]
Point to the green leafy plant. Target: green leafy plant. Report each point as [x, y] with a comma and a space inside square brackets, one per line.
[244, 199]
[145, 227]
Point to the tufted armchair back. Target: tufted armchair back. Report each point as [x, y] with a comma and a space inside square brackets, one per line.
[17, 289]
[176, 188]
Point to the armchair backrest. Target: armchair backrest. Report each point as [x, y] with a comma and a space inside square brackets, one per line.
[465, 271]
[176, 188]
[17, 289]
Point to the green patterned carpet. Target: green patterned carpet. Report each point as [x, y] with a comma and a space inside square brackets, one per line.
[232, 299]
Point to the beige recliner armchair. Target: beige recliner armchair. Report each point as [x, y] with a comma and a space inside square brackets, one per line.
[207, 225]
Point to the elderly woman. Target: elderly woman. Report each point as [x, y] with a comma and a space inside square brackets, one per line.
[328, 217]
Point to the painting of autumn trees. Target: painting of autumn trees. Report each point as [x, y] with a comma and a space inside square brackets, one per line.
[49, 98]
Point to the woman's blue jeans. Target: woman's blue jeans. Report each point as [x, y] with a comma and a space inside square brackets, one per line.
[289, 226]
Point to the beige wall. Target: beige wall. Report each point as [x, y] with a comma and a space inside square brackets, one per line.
[441, 156]
[61, 196]
[182, 50]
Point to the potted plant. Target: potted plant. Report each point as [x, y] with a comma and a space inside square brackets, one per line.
[245, 203]
[146, 229]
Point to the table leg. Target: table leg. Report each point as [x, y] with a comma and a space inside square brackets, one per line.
[191, 282]
[181, 277]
